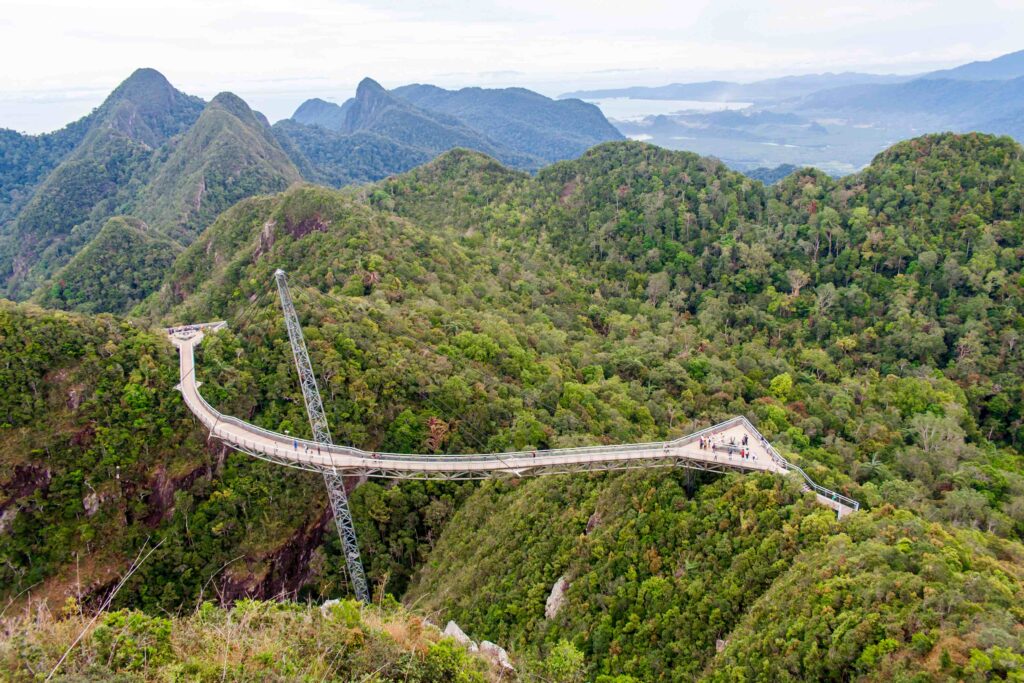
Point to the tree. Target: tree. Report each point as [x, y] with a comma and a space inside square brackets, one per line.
[797, 279]
[658, 287]
[565, 664]
[781, 386]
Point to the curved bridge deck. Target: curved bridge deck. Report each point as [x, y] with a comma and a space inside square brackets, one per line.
[308, 455]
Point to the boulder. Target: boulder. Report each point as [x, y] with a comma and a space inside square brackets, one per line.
[452, 630]
[497, 655]
[91, 503]
[6, 517]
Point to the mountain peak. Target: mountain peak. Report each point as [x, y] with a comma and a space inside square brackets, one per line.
[317, 112]
[147, 75]
[142, 84]
[368, 87]
[233, 104]
[148, 109]
[370, 101]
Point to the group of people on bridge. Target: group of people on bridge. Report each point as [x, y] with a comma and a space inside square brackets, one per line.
[715, 443]
[184, 328]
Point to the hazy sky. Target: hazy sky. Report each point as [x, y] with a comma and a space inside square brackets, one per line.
[61, 58]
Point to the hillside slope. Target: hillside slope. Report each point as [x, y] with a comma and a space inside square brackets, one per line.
[26, 160]
[869, 325]
[743, 581]
[70, 206]
[227, 155]
[519, 119]
[116, 270]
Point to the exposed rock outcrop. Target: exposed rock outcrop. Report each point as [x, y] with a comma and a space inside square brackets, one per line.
[452, 630]
[497, 655]
[27, 480]
[556, 598]
[6, 517]
[91, 503]
[162, 487]
[286, 569]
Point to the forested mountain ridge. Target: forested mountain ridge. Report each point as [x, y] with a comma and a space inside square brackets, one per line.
[869, 326]
[152, 154]
[90, 184]
[380, 132]
[522, 119]
[26, 159]
[227, 155]
[377, 133]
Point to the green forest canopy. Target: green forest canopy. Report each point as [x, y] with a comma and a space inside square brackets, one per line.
[870, 326]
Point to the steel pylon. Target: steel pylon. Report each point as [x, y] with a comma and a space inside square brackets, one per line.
[322, 434]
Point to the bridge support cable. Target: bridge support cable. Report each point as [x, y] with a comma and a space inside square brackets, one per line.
[322, 435]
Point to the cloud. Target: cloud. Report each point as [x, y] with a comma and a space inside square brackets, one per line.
[276, 49]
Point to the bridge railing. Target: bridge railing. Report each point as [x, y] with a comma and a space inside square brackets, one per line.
[301, 446]
[786, 464]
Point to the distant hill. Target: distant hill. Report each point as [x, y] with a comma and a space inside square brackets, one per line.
[763, 91]
[836, 122]
[150, 152]
[317, 112]
[925, 102]
[1006, 67]
[70, 205]
[1001, 68]
[770, 176]
[378, 133]
[375, 110]
[520, 119]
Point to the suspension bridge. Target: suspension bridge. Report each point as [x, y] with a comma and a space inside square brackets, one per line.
[734, 445]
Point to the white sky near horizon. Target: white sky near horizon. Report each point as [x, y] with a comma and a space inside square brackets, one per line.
[62, 57]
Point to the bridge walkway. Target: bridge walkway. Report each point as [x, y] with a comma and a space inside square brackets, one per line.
[686, 451]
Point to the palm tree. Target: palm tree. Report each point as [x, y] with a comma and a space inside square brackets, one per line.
[873, 468]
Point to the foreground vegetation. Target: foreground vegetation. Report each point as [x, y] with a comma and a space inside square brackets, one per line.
[253, 640]
[746, 580]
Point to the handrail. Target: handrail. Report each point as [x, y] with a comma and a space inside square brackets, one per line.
[352, 451]
[786, 464]
[296, 447]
